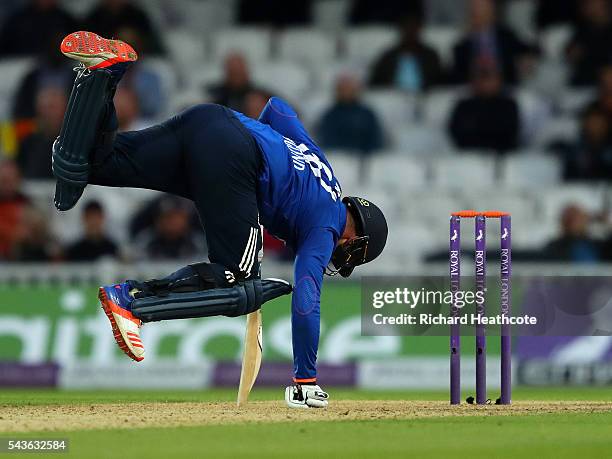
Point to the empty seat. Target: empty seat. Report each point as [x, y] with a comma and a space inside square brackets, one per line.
[254, 43]
[307, 46]
[442, 39]
[535, 112]
[464, 170]
[205, 75]
[330, 14]
[325, 76]
[407, 244]
[540, 233]
[531, 170]
[395, 109]
[563, 129]
[79, 8]
[347, 168]
[422, 140]
[572, 101]
[365, 44]
[200, 17]
[438, 105]
[312, 107]
[185, 49]
[397, 173]
[12, 71]
[166, 73]
[431, 207]
[520, 204]
[554, 40]
[284, 78]
[519, 15]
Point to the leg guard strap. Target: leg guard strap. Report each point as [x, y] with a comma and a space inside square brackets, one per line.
[80, 131]
[241, 299]
[191, 278]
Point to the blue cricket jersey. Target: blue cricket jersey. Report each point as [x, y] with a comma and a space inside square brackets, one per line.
[299, 202]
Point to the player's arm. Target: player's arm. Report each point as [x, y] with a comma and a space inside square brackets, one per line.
[281, 117]
[312, 257]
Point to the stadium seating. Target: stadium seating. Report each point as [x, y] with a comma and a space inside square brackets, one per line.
[531, 169]
[475, 169]
[397, 173]
[364, 44]
[254, 43]
[418, 179]
[11, 71]
[553, 41]
[442, 40]
[306, 46]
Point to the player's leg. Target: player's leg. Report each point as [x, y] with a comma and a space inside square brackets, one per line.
[223, 162]
[150, 158]
[88, 150]
[102, 62]
[223, 176]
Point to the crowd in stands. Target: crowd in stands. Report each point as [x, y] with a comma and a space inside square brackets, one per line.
[487, 62]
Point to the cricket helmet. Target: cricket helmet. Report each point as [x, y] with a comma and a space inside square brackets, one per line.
[371, 227]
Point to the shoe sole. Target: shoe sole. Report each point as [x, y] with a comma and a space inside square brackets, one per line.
[88, 46]
[107, 307]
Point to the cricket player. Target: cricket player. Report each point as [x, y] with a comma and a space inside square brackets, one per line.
[242, 175]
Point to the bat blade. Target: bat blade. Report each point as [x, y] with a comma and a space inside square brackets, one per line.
[251, 358]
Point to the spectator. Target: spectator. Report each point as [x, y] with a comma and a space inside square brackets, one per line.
[574, 243]
[489, 117]
[128, 110]
[603, 99]
[588, 49]
[30, 29]
[34, 242]
[143, 79]
[111, 16]
[490, 43]
[255, 101]
[172, 237]
[590, 158]
[383, 11]
[349, 123]
[34, 156]
[278, 13]
[410, 64]
[236, 83]
[12, 204]
[144, 220]
[95, 243]
[51, 69]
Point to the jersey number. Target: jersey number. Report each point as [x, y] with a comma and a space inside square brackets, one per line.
[324, 174]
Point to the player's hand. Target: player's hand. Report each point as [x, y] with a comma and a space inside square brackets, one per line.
[305, 396]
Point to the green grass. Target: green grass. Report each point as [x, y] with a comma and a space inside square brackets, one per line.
[558, 435]
[53, 396]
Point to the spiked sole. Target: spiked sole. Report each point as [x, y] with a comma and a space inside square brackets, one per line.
[107, 307]
[95, 51]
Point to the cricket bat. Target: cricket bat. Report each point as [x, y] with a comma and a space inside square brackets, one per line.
[251, 358]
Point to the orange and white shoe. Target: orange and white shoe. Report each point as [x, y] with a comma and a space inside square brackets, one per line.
[116, 300]
[96, 52]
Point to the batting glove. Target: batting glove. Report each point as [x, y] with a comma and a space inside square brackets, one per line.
[305, 396]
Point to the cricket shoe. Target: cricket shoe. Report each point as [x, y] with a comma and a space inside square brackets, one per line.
[116, 300]
[305, 396]
[96, 52]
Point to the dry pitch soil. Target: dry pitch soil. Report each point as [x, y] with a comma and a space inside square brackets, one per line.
[67, 417]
